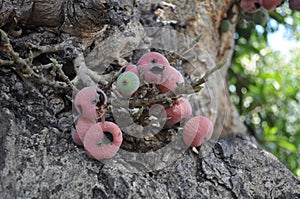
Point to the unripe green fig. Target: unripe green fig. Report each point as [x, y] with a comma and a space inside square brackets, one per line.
[261, 17]
[225, 25]
[127, 83]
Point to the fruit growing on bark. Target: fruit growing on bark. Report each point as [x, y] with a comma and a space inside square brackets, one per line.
[261, 17]
[271, 4]
[127, 83]
[90, 103]
[294, 4]
[131, 67]
[251, 6]
[174, 78]
[76, 137]
[153, 68]
[225, 25]
[196, 130]
[97, 145]
[179, 111]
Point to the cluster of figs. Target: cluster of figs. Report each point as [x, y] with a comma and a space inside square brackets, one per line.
[257, 11]
[260, 8]
[102, 139]
[253, 6]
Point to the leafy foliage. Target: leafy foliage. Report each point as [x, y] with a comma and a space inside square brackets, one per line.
[265, 86]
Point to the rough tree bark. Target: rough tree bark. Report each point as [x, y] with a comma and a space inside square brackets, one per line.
[51, 48]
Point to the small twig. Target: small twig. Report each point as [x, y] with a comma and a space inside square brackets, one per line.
[49, 48]
[55, 84]
[205, 77]
[101, 79]
[43, 67]
[164, 97]
[23, 68]
[62, 75]
[194, 43]
[113, 78]
[6, 62]
[30, 59]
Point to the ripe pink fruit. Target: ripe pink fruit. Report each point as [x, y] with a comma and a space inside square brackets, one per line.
[153, 58]
[251, 6]
[131, 67]
[153, 68]
[196, 130]
[97, 145]
[271, 4]
[174, 78]
[179, 111]
[294, 4]
[76, 137]
[88, 100]
[82, 127]
[115, 131]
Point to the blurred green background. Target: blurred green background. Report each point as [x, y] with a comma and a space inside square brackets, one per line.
[265, 83]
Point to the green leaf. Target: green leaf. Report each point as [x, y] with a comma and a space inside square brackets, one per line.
[287, 145]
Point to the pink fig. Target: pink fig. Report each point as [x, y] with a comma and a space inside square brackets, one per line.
[97, 145]
[76, 137]
[90, 102]
[251, 6]
[294, 4]
[153, 68]
[174, 78]
[131, 67]
[114, 130]
[196, 130]
[82, 127]
[179, 111]
[271, 4]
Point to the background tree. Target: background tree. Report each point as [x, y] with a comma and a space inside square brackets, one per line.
[264, 84]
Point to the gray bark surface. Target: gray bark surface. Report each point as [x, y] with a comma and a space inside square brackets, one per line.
[38, 158]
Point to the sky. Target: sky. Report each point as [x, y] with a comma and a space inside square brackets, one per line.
[279, 42]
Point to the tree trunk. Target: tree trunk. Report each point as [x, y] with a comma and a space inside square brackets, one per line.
[49, 49]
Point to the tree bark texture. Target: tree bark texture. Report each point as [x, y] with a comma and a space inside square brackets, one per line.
[39, 160]
[88, 38]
